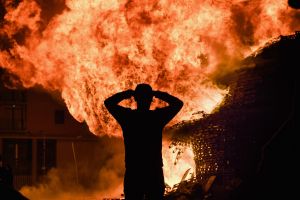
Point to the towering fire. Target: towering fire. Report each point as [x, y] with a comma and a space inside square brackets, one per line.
[92, 49]
[88, 50]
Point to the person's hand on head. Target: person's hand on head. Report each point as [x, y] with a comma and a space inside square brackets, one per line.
[157, 93]
[129, 93]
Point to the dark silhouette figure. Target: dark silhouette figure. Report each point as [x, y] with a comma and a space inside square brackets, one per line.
[142, 132]
[6, 176]
[7, 190]
[294, 4]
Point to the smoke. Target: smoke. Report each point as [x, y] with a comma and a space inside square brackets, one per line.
[56, 187]
[100, 170]
[100, 173]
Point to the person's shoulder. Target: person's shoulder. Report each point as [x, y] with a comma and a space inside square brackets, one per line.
[126, 109]
[158, 111]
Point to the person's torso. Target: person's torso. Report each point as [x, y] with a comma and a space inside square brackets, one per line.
[142, 132]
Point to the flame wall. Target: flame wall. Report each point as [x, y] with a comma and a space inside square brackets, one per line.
[88, 50]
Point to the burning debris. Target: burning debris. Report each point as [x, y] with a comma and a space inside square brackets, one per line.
[231, 143]
[175, 166]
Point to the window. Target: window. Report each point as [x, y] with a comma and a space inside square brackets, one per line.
[18, 154]
[8, 95]
[59, 116]
[12, 110]
[46, 155]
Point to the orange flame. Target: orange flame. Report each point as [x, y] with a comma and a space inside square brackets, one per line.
[96, 48]
[175, 167]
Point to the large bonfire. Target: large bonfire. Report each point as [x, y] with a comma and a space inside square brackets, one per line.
[88, 50]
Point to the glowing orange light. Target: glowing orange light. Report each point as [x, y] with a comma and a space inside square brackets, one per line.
[96, 48]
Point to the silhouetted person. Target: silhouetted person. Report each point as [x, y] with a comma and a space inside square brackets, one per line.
[6, 176]
[294, 3]
[7, 190]
[142, 132]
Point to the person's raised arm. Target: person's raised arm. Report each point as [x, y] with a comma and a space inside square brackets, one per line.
[112, 103]
[173, 102]
[174, 106]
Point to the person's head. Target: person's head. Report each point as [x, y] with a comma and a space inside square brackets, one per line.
[143, 96]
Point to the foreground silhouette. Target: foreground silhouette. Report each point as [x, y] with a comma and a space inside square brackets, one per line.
[7, 190]
[142, 132]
